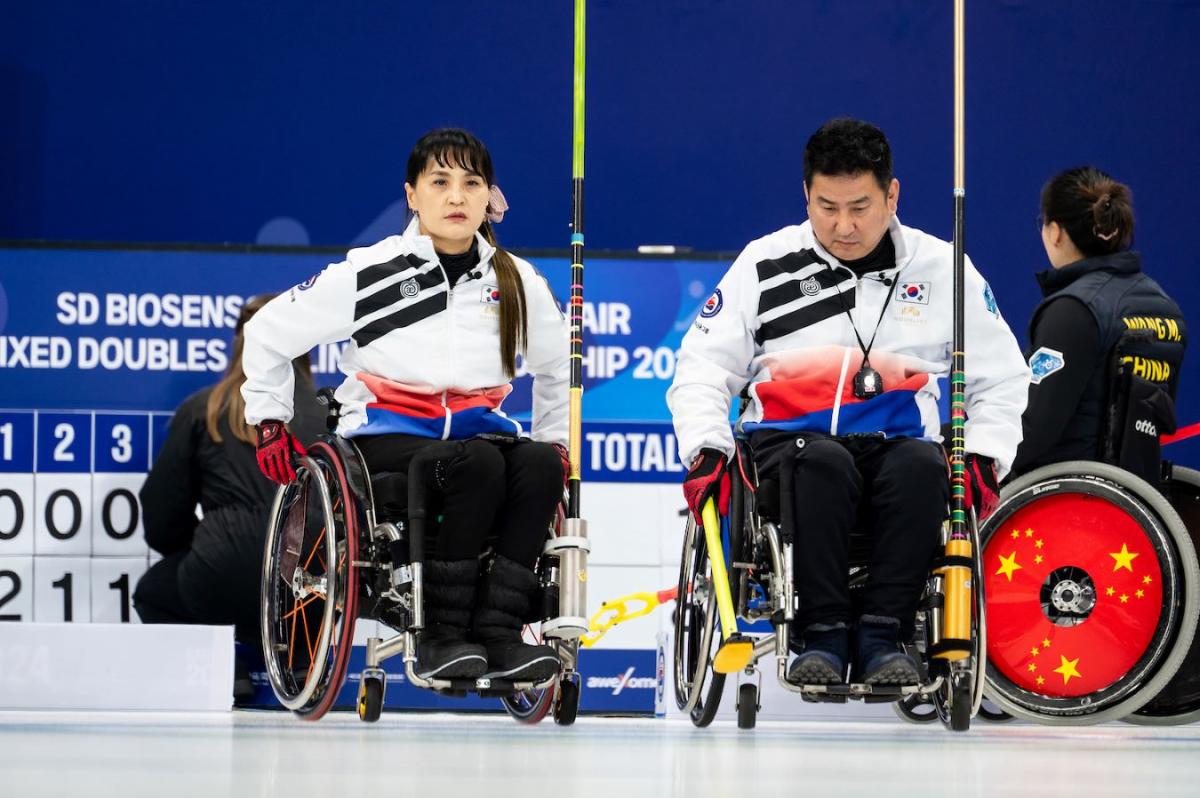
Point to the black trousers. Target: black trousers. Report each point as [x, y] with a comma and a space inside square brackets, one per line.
[894, 490]
[509, 490]
[215, 581]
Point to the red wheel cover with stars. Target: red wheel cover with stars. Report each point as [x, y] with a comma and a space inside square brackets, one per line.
[1074, 595]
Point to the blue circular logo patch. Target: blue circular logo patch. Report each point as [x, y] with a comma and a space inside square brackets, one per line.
[713, 305]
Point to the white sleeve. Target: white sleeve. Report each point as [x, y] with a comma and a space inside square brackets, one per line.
[714, 362]
[319, 310]
[547, 358]
[997, 376]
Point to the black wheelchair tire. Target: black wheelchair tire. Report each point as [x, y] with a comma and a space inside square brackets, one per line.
[693, 657]
[370, 700]
[566, 703]
[747, 706]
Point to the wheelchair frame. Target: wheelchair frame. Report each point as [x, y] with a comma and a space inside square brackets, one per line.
[365, 553]
[761, 550]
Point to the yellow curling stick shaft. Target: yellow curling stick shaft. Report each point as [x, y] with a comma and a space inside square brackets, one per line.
[736, 650]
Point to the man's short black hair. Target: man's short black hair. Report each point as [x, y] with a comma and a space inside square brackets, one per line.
[847, 146]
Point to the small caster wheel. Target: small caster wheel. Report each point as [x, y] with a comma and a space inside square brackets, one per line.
[747, 706]
[960, 703]
[566, 703]
[370, 699]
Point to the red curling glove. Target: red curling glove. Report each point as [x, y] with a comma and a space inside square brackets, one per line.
[566, 462]
[707, 478]
[277, 451]
[981, 489]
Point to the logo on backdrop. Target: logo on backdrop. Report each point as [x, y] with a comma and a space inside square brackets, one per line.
[1045, 362]
[713, 305]
[622, 682]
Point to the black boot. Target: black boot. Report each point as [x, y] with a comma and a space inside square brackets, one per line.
[506, 598]
[443, 651]
[878, 657]
[823, 659]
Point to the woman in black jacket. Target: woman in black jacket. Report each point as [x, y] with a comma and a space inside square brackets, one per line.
[1106, 338]
[212, 563]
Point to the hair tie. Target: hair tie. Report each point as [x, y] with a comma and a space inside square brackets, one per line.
[1106, 236]
[497, 205]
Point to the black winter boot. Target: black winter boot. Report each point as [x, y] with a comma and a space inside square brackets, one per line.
[505, 600]
[878, 657]
[823, 660]
[443, 651]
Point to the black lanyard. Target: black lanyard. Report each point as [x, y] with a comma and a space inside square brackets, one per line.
[866, 349]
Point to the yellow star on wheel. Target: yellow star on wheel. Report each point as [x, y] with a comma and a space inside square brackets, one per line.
[1038, 543]
[1041, 680]
[1032, 667]
[1124, 558]
[1108, 591]
[1008, 565]
[1146, 579]
[1139, 593]
[1067, 668]
[1016, 533]
[1028, 533]
[1034, 651]
[1124, 598]
[1037, 559]
[1045, 643]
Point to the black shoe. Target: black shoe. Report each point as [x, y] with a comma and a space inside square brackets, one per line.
[879, 659]
[443, 651]
[505, 601]
[823, 658]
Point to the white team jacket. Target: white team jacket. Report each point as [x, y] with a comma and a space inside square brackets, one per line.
[423, 357]
[777, 324]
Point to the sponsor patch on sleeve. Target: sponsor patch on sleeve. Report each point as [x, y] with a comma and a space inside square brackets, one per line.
[713, 305]
[309, 283]
[989, 302]
[1045, 362]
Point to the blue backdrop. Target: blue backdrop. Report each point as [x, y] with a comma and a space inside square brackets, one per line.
[288, 122]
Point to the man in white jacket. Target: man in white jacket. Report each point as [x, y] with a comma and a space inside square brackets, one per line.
[839, 332]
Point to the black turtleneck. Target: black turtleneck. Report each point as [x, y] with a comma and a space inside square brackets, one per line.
[458, 265]
[880, 259]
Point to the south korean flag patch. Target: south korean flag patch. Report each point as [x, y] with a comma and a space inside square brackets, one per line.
[1045, 362]
[490, 295]
[913, 293]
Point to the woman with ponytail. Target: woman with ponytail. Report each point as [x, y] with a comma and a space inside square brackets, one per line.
[211, 565]
[436, 319]
[1105, 340]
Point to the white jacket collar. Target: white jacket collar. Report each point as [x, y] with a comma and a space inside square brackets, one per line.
[897, 231]
[422, 246]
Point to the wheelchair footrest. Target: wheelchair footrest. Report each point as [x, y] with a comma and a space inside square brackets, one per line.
[840, 693]
[485, 688]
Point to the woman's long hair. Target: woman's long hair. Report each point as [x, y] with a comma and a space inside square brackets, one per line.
[457, 147]
[226, 397]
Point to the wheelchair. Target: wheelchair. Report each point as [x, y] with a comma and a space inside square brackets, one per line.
[758, 540]
[344, 544]
[1093, 589]
[1093, 596]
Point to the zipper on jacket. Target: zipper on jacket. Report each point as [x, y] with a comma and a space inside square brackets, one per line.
[449, 346]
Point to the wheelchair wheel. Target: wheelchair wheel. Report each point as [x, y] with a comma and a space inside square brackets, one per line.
[530, 706]
[915, 709]
[370, 699]
[1179, 702]
[698, 687]
[961, 694]
[566, 702]
[1092, 588]
[747, 706]
[309, 591]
